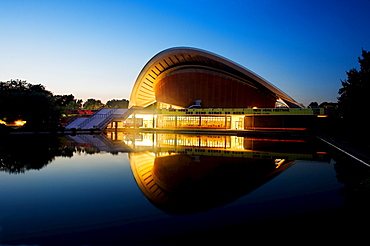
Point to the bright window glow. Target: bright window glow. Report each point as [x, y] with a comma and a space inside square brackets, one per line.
[278, 162]
[20, 122]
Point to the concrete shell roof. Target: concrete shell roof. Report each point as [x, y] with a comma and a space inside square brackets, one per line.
[143, 93]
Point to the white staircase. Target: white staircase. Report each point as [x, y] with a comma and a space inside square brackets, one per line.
[75, 123]
[99, 120]
[100, 142]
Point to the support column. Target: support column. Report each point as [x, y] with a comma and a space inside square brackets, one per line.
[116, 130]
[134, 120]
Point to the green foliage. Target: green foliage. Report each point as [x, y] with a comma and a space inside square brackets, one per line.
[63, 100]
[68, 102]
[93, 104]
[32, 103]
[114, 103]
[41, 109]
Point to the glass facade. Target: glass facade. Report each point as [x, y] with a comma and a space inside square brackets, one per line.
[220, 119]
[194, 141]
[213, 122]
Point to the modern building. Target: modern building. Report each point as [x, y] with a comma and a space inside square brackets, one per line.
[187, 88]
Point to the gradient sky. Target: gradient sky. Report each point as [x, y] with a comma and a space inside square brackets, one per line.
[96, 49]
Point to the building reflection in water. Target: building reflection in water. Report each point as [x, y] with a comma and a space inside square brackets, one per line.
[181, 173]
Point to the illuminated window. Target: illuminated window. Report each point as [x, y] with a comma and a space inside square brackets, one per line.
[20, 122]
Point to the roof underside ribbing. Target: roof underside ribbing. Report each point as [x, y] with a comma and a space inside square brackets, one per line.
[143, 93]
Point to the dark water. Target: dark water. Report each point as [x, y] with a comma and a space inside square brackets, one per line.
[169, 189]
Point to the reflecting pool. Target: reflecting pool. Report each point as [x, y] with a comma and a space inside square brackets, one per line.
[165, 188]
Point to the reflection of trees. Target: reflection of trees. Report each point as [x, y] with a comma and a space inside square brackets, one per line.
[84, 150]
[20, 153]
[356, 178]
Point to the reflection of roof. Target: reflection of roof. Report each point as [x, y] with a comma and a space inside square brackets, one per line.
[143, 93]
[141, 166]
[180, 183]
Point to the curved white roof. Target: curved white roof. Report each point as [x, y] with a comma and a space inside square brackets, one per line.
[143, 93]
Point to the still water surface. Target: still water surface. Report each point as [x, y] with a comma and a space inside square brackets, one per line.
[130, 188]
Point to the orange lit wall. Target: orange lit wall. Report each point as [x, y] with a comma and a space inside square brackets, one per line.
[182, 89]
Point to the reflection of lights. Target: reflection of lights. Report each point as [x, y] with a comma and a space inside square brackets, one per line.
[274, 128]
[144, 116]
[278, 162]
[322, 116]
[20, 122]
[213, 145]
[275, 140]
[144, 142]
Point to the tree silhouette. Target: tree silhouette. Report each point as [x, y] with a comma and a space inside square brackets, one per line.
[313, 105]
[20, 153]
[68, 102]
[92, 103]
[356, 88]
[32, 103]
[116, 103]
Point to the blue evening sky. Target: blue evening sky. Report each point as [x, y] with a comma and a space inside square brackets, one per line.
[96, 49]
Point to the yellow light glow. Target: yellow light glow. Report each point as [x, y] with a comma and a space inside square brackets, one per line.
[278, 162]
[144, 116]
[2, 122]
[20, 122]
[255, 107]
[322, 116]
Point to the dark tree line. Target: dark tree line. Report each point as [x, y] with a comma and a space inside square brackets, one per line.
[70, 102]
[353, 100]
[32, 103]
[41, 109]
[352, 104]
[37, 151]
[348, 117]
